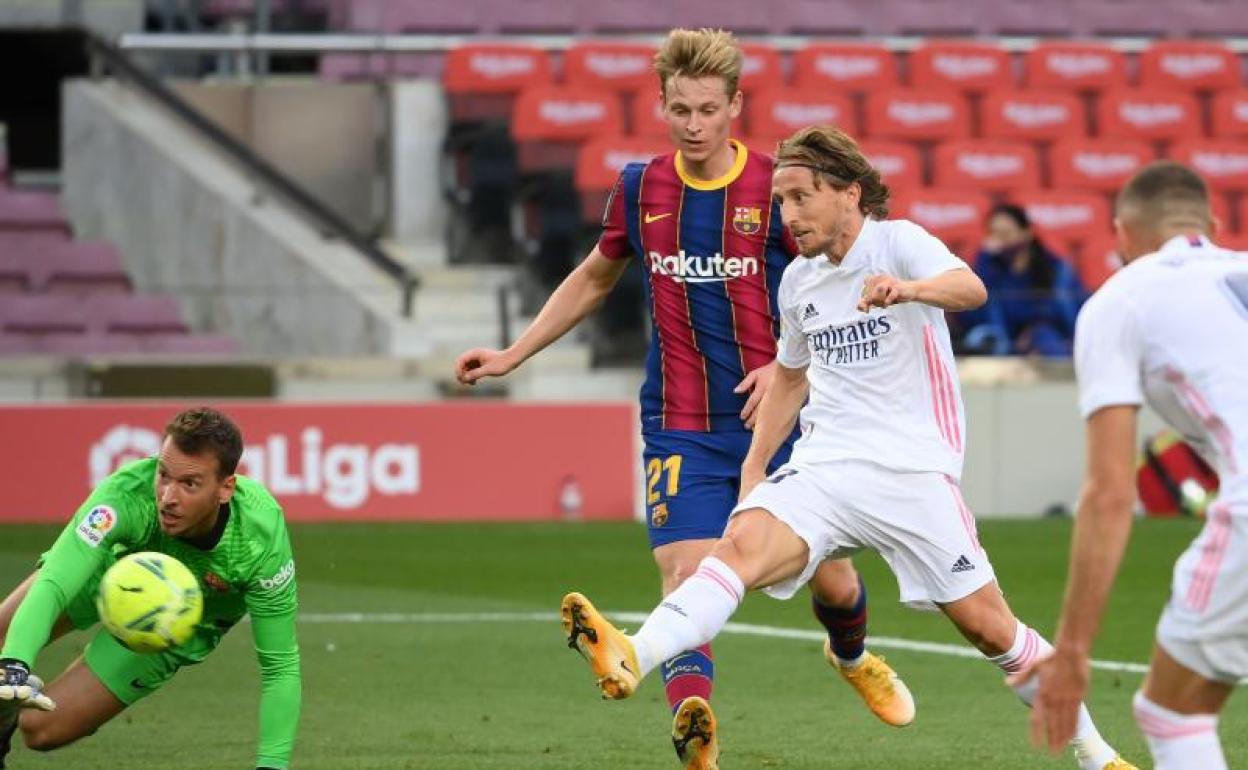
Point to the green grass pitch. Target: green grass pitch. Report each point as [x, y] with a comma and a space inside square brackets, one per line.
[427, 690]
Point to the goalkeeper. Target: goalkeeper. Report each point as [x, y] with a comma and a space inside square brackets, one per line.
[227, 529]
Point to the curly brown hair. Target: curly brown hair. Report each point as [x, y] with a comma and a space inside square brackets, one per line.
[833, 155]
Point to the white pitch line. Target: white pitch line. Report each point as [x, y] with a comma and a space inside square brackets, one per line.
[744, 629]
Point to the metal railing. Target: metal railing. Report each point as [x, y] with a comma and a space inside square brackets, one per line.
[108, 58]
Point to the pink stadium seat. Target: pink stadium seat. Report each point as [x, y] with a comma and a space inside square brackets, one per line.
[1066, 217]
[30, 211]
[551, 17]
[812, 17]
[626, 16]
[645, 115]
[1230, 114]
[927, 114]
[1094, 18]
[1032, 115]
[977, 164]
[954, 216]
[1148, 115]
[136, 313]
[190, 344]
[1100, 165]
[899, 164]
[1066, 66]
[776, 113]
[627, 67]
[44, 314]
[1177, 65]
[962, 66]
[1027, 18]
[82, 267]
[395, 16]
[18, 344]
[933, 17]
[1222, 162]
[845, 67]
[89, 344]
[744, 17]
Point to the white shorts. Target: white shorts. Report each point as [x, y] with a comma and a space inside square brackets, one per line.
[916, 521]
[1205, 623]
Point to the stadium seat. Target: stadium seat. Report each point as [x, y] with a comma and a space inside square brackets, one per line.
[1221, 210]
[1099, 165]
[1065, 218]
[1117, 18]
[954, 216]
[616, 16]
[482, 80]
[845, 67]
[1183, 65]
[760, 67]
[30, 211]
[899, 164]
[598, 166]
[77, 267]
[398, 16]
[1148, 115]
[190, 344]
[550, 121]
[777, 112]
[645, 115]
[928, 114]
[88, 344]
[744, 17]
[1027, 18]
[945, 18]
[1032, 115]
[44, 314]
[1230, 114]
[812, 17]
[962, 66]
[1086, 67]
[620, 67]
[993, 166]
[136, 314]
[1098, 260]
[531, 17]
[1222, 162]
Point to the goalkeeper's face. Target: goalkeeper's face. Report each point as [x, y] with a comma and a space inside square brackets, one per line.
[189, 491]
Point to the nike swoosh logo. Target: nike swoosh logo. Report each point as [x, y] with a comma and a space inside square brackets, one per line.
[656, 217]
[624, 665]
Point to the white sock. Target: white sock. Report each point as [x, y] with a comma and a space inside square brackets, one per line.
[1179, 741]
[689, 616]
[1090, 748]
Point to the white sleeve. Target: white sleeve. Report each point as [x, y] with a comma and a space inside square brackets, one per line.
[791, 351]
[918, 254]
[1109, 350]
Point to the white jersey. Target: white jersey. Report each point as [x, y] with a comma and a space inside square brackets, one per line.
[883, 384]
[1171, 329]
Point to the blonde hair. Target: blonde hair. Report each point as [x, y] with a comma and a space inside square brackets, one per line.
[833, 155]
[697, 54]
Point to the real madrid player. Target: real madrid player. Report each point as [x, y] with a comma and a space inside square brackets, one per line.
[702, 227]
[227, 529]
[864, 355]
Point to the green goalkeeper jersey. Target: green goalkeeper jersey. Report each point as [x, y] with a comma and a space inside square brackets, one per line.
[249, 570]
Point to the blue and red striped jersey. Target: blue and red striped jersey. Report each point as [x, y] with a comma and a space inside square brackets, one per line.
[712, 253]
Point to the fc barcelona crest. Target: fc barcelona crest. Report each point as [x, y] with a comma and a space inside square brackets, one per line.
[658, 515]
[747, 220]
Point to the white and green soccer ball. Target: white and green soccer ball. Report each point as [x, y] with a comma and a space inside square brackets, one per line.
[150, 602]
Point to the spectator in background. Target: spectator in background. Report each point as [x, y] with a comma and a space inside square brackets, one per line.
[1033, 295]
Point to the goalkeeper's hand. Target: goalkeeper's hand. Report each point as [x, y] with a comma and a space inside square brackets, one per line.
[19, 687]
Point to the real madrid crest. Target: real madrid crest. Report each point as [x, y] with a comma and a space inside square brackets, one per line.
[747, 220]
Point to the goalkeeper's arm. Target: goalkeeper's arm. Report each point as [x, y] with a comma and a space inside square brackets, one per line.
[280, 687]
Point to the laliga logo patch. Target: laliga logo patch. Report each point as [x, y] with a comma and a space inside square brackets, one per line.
[747, 220]
[96, 524]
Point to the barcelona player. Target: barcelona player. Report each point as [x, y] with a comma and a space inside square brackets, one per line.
[702, 225]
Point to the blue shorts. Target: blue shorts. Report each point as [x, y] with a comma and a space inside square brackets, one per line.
[692, 481]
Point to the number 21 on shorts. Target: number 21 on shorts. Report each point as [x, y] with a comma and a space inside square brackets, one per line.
[654, 474]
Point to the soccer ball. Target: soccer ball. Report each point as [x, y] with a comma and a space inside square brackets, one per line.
[149, 601]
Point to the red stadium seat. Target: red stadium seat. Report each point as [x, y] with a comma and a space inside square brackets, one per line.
[1183, 65]
[1148, 115]
[598, 166]
[954, 216]
[1075, 67]
[760, 67]
[1066, 217]
[778, 112]
[1230, 114]
[986, 165]
[549, 122]
[1232, 241]
[899, 164]
[1032, 115]
[494, 68]
[1098, 260]
[1222, 162]
[1221, 210]
[964, 66]
[927, 114]
[617, 66]
[845, 66]
[645, 116]
[1101, 165]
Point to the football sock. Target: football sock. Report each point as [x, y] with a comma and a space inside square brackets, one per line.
[1179, 741]
[690, 616]
[846, 626]
[8, 726]
[1090, 748]
[690, 673]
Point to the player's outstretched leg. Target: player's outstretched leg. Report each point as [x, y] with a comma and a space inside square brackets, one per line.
[839, 601]
[610, 653]
[695, 735]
